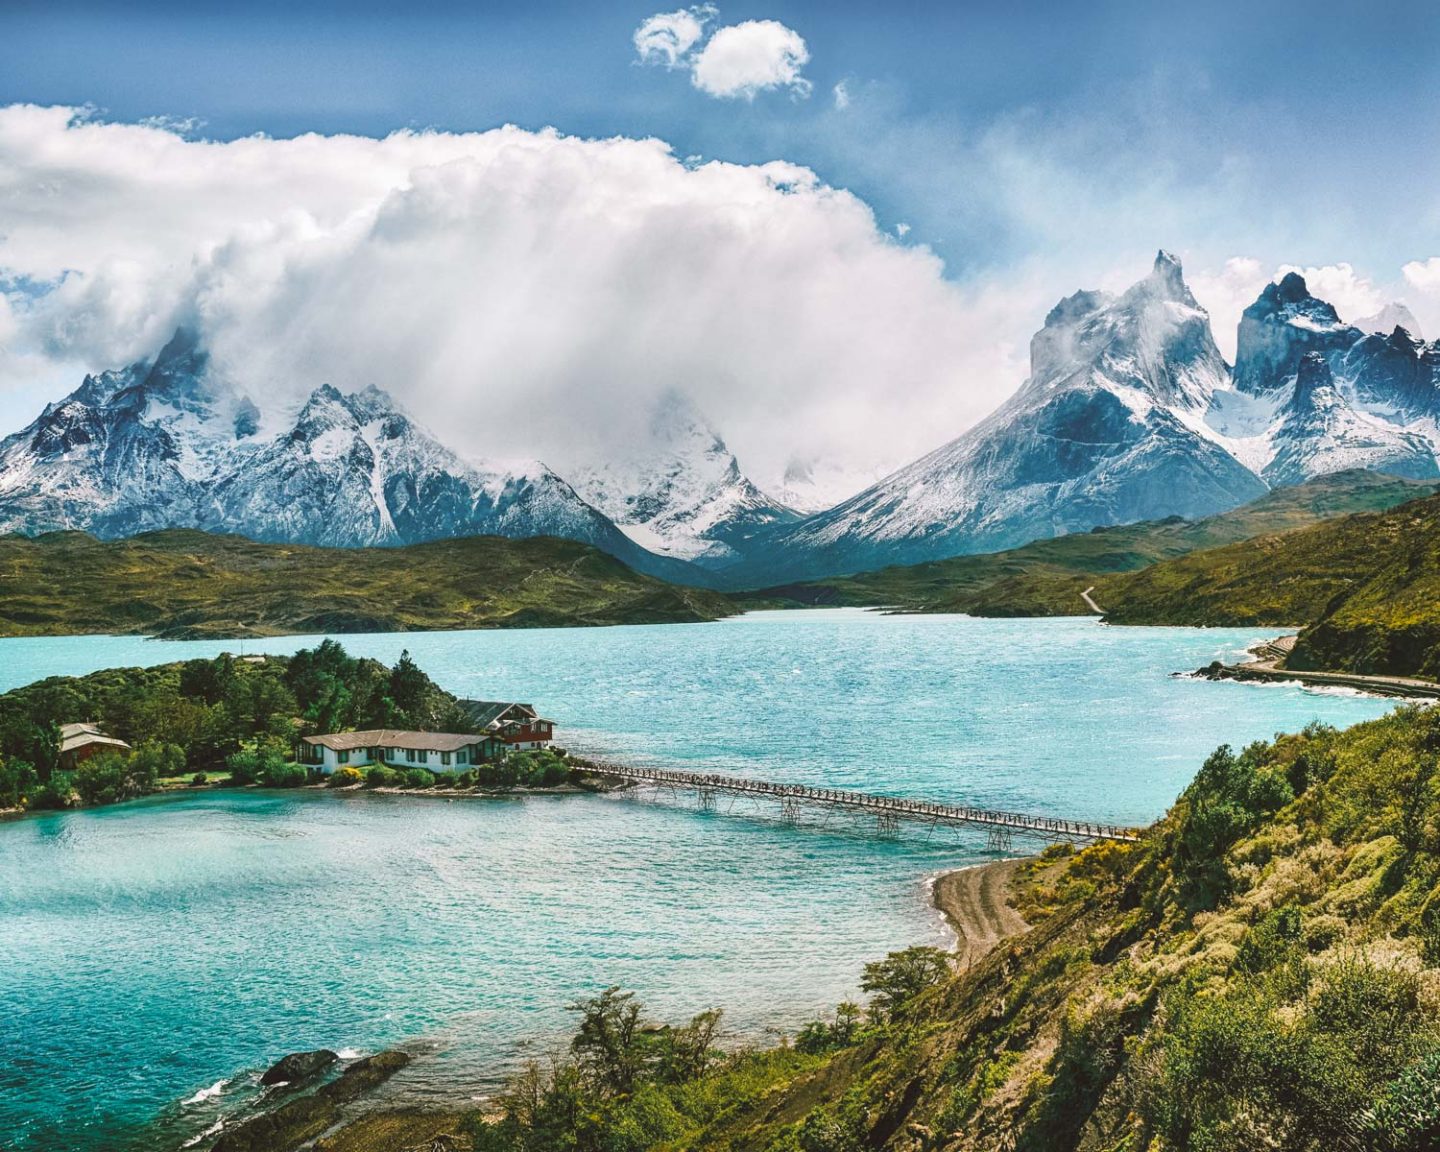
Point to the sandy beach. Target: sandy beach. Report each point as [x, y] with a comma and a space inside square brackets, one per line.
[976, 901]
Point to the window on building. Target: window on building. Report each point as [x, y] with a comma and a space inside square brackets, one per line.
[344, 757]
[462, 757]
[424, 756]
[410, 755]
[445, 759]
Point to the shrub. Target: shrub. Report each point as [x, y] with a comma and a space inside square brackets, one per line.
[199, 780]
[419, 778]
[346, 777]
[379, 776]
[466, 779]
[57, 792]
[821, 1036]
[1225, 803]
[284, 774]
[1406, 1117]
[18, 780]
[110, 777]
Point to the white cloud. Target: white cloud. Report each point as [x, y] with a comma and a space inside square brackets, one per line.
[842, 96]
[1423, 275]
[1227, 293]
[742, 60]
[667, 37]
[525, 293]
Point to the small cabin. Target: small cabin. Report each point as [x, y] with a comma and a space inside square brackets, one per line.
[79, 742]
[434, 751]
[518, 725]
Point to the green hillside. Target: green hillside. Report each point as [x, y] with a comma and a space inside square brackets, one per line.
[1366, 588]
[1261, 973]
[188, 584]
[1046, 577]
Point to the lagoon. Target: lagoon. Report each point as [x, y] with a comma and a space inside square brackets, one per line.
[153, 956]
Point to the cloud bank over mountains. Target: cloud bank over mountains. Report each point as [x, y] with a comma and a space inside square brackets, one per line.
[530, 293]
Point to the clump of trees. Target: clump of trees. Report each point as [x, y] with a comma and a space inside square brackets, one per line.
[206, 716]
[626, 1084]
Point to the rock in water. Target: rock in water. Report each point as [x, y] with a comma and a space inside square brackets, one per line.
[299, 1066]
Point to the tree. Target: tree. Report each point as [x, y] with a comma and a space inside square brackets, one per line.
[18, 780]
[896, 980]
[607, 1044]
[410, 689]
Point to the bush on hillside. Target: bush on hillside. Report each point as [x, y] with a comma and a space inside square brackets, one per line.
[1227, 800]
[419, 778]
[346, 777]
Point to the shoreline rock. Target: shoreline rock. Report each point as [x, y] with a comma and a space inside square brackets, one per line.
[298, 1067]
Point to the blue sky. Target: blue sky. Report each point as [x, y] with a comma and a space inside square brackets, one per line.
[1010, 153]
[1311, 119]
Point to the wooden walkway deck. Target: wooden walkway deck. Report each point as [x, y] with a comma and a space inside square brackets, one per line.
[889, 809]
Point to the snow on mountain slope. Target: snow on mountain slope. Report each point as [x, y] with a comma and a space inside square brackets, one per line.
[1320, 433]
[681, 493]
[169, 444]
[1095, 436]
[1314, 395]
[1393, 315]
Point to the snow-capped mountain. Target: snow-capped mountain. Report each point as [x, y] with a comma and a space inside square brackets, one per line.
[1109, 428]
[172, 444]
[1393, 315]
[1313, 394]
[1131, 413]
[681, 493]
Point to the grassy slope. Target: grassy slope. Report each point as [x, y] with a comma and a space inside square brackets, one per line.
[1367, 587]
[1138, 1015]
[188, 584]
[1045, 578]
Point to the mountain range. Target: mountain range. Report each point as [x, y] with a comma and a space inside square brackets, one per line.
[1130, 413]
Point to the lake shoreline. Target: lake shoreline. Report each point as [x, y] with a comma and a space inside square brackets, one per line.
[975, 902]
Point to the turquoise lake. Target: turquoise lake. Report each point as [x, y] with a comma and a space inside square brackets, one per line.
[154, 956]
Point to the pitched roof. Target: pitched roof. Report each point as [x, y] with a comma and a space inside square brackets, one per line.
[84, 739]
[485, 713]
[69, 730]
[393, 738]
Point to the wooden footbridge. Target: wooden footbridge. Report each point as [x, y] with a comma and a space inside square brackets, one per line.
[889, 810]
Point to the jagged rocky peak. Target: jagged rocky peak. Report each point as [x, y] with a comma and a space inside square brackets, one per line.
[1155, 338]
[1283, 324]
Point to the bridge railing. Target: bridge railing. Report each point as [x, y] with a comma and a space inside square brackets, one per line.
[951, 813]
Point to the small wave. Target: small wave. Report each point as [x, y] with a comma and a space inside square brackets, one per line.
[207, 1093]
[205, 1135]
[348, 1054]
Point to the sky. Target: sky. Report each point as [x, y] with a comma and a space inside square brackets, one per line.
[835, 225]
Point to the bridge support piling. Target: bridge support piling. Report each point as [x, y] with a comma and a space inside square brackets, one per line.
[998, 840]
[887, 824]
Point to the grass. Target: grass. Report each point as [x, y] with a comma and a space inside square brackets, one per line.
[1046, 577]
[186, 584]
[1365, 588]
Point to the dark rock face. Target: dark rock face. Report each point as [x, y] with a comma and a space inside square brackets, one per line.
[1278, 329]
[299, 1066]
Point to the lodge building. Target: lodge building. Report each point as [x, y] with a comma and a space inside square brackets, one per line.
[503, 727]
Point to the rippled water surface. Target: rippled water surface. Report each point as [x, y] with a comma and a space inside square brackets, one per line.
[154, 955]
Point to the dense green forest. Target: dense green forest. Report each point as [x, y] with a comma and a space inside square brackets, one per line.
[186, 584]
[229, 718]
[1262, 972]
